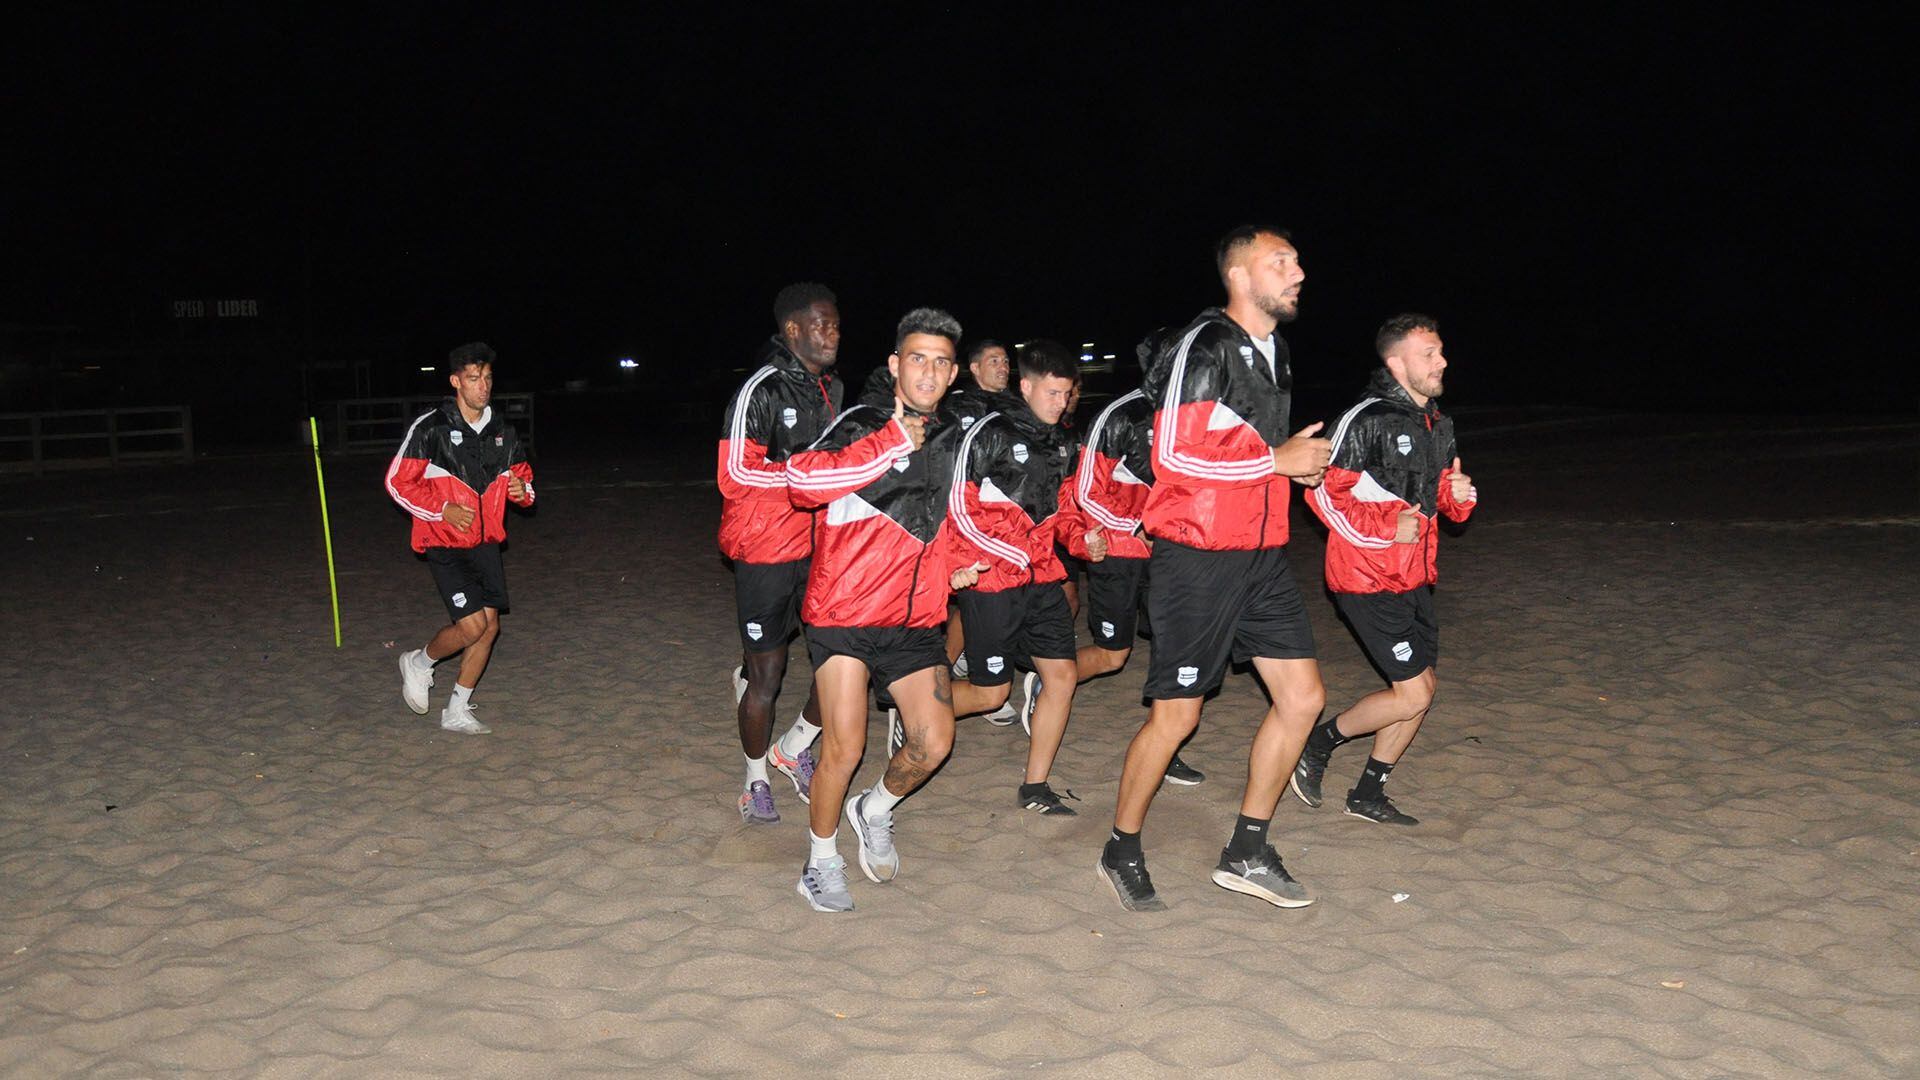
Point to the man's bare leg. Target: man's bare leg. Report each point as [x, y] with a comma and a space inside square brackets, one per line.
[1169, 722]
[926, 714]
[1092, 661]
[969, 699]
[476, 634]
[842, 685]
[1049, 722]
[1298, 697]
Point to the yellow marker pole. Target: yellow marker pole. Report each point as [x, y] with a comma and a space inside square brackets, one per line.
[326, 528]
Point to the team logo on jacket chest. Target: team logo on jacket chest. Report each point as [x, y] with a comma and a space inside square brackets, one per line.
[1403, 443]
[499, 440]
[1246, 353]
[456, 437]
[789, 417]
[1020, 452]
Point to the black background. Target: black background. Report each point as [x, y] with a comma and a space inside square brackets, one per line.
[1635, 210]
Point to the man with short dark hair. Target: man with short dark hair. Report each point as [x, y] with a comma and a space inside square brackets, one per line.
[1222, 589]
[457, 468]
[988, 366]
[1012, 503]
[783, 406]
[884, 566]
[1395, 468]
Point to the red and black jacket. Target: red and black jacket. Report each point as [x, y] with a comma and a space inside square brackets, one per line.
[883, 552]
[781, 408]
[442, 460]
[1115, 476]
[1011, 496]
[1219, 411]
[1389, 455]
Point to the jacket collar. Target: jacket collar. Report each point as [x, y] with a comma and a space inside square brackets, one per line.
[776, 353]
[1381, 384]
[452, 408]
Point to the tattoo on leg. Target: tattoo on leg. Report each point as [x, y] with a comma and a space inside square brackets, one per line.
[942, 689]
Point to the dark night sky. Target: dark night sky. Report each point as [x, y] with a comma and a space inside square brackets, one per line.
[1600, 210]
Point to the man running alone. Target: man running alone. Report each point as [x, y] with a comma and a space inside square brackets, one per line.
[782, 407]
[1222, 589]
[457, 468]
[1394, 466]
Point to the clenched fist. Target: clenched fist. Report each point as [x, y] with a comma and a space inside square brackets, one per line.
[965, 577]
[1096, 544]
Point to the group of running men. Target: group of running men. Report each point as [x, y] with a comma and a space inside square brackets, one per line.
[862, 526]
[920, 539]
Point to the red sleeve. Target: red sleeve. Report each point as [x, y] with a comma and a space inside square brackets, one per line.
[820, 474]
[1072, 523]
[1456, 511]
[743, 467]
[406, 481]
[525, 472]
[1361, 522]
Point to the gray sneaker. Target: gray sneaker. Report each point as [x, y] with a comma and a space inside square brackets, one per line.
[1261, 876]
[756, 805]
[878, 860]
[1030, 694]
[825, 886]
[739, 684]
[958, 669]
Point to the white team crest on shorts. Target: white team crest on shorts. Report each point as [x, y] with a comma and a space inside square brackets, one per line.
[1020, 452]
[1402, 651]
[459, 599]
[789, 417]
[1404, 444]
[1106, 628]
[456, 436]
[901, 465]
[754, 631]
[996, 665]
[1187, 676]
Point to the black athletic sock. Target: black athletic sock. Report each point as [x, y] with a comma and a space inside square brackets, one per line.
[1121, 847]
[1249, 836]
[1326, 735]
[1373, 781]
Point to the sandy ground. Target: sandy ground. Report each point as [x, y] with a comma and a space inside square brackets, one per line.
[1672, 823]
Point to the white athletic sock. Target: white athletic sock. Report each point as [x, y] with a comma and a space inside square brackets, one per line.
[422, 661]
[798, 737]
[461, 694]
[824, 847]
[880, 802]
[756, 770]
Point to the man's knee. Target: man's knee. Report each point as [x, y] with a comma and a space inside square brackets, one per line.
[477, 627]
[1416, 694]
[764, 670]
[1176, 717]
[929, 744]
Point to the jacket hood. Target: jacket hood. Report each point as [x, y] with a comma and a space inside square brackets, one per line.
[774, 351]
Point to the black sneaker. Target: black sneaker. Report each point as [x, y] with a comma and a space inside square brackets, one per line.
[1261, 876]
[1131, 885]
[1041, 798]
[1381, 810]
[1179, 772]
[1307, 774]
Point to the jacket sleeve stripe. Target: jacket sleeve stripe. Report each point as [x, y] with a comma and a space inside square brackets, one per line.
[957, 504]
[1084, 486]
[737, 441]
[1165, 447]
[1335, 517]
[857, 475]
[393, 467]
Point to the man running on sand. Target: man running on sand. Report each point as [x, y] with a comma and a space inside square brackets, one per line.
[457, 468]
[883, 568]
[1222, 588]
[1394, 463]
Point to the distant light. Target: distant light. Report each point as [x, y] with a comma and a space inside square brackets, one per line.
[1086, 356]
[428, 370]
[629, 362]
[1086, 344]
[1106, 356]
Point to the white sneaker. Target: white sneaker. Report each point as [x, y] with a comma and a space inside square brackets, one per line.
[460, 718]
[896, 733]
[1030, 696]
[1004, 715]
[415, 684]
[739, 684]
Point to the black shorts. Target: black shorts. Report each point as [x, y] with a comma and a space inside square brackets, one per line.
[1209, 607]
[1075, 565]
[1399, 631]
[1113, 600]
[891, 653]
[1007, 629]
[766, 602]
[468, 579]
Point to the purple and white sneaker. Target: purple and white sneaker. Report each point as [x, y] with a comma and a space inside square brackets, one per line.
[798, 769]
[756, 804]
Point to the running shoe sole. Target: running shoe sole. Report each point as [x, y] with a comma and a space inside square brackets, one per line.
[807, 895]
[1293, 782]
[1235, 883]
[789, 768]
